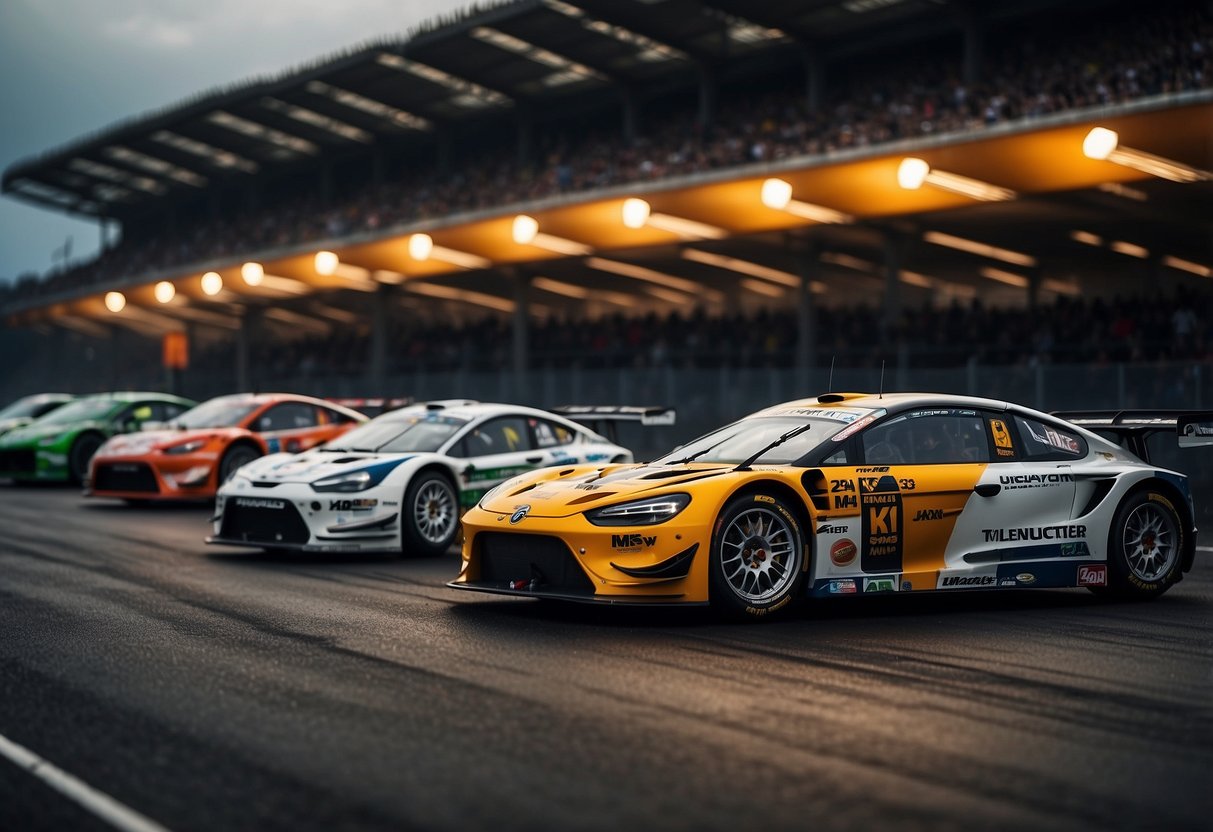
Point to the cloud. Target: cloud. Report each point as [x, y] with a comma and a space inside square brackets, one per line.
[150, 30]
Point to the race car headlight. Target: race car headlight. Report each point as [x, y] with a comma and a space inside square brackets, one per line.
[353, 481]
[186, 447]
[645, 512]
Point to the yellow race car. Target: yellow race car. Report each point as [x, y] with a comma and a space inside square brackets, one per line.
[849, 494]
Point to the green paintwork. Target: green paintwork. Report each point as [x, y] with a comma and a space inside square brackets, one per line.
[51, 438]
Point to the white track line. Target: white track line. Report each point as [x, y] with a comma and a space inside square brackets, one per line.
[99, 803]
[1204, 548]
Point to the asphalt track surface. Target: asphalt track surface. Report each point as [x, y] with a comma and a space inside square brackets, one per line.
[212, 688]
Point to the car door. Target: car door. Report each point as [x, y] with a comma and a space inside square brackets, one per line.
[288, 426]
[1024, 505]
[495, 450]
[919, 472]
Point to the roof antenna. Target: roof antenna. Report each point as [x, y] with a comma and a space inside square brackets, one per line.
[830, 386]
[881, 396]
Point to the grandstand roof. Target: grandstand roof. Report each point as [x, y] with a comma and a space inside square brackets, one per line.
[526, 56]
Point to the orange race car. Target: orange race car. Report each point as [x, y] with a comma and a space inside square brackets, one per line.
[194, 454]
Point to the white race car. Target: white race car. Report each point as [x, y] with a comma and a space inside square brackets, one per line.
[400, 482]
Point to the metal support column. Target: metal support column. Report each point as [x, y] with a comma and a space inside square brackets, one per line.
[974, 37]
[895, 244]
[707, 96]
[631, 116]
[380, 301]
[806, 321]
[521, 334]
[246, 340]
[814, 77]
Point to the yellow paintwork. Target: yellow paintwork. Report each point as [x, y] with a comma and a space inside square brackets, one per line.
[910, 516]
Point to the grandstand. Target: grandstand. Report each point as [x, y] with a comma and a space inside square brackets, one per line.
[708, 189]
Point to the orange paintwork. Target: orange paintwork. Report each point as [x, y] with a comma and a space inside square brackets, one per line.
[195, 473]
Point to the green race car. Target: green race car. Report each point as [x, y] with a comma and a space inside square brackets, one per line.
[58, 446]
[30, 409]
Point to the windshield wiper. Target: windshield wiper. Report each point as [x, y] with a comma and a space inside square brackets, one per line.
[796, 431]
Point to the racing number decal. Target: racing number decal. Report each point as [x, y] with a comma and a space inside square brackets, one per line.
[842, 495]
[881, 515]
[1002, 438]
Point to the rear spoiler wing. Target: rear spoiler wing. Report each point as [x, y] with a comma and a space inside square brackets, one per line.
[373, 406]
[1133, 427]
[605, 419]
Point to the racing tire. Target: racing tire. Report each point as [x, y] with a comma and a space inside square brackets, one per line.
[1145, 547]
[236, 457]
[429, 515]
[757, 565]
[81, 454]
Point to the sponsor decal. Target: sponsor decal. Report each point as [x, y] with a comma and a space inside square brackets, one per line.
[273, 445]
[630, 542]
[1011, 482]
[256, 502]
[1094, 575]
[1004, 452]
[1002, 437]
[1034, 533]
[843, 552]
[881, 516]
[873, 469]
[1007, 582]
[1051, 437]
[845, 586]
[833, 529]
[1074, 550]
[763, 498]
[928, 514]
[519, 513]
[962, 581]
[843, 501]
[857, 426]
[476, 475]
[1026, 578]
[352, 505]
[597, 457]
[880, 584]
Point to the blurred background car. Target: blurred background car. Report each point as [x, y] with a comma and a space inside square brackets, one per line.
[30, 409]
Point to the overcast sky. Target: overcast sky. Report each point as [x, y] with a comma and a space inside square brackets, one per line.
[70, 67]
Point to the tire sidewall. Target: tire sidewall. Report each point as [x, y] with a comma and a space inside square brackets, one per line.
[1122, 580]
[411, 540]
[224, 473]
[77, 472]
[721, 592]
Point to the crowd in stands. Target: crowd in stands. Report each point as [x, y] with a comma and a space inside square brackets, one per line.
[1028, 72]
[1071, 331]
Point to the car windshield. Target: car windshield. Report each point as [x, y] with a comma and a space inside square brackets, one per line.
[737, 442]
[83, 410]
[217, 413]
[22, 408]
[397, 433]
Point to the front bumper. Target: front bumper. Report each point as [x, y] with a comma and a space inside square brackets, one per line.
[569, 558]
[288, 517]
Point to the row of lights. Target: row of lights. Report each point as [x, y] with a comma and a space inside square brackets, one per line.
[1101, 144]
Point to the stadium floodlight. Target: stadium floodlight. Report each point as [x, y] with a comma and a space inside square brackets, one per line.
[525, 229]
[1130, 249]
[679, 284]
[164, 292]
[1188, 266]
[1003, 276]
[438, 290]
[526, 233]
[566, 70]
[1103, 145]
[115, 301]
[326, 263]
[421, 246]
[559, 287]
[912, 173]
[777, 194]
[253, 273]
[1006, 255]
[1086, 238]
[761, 287]
[637, 213]
[212, 283]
